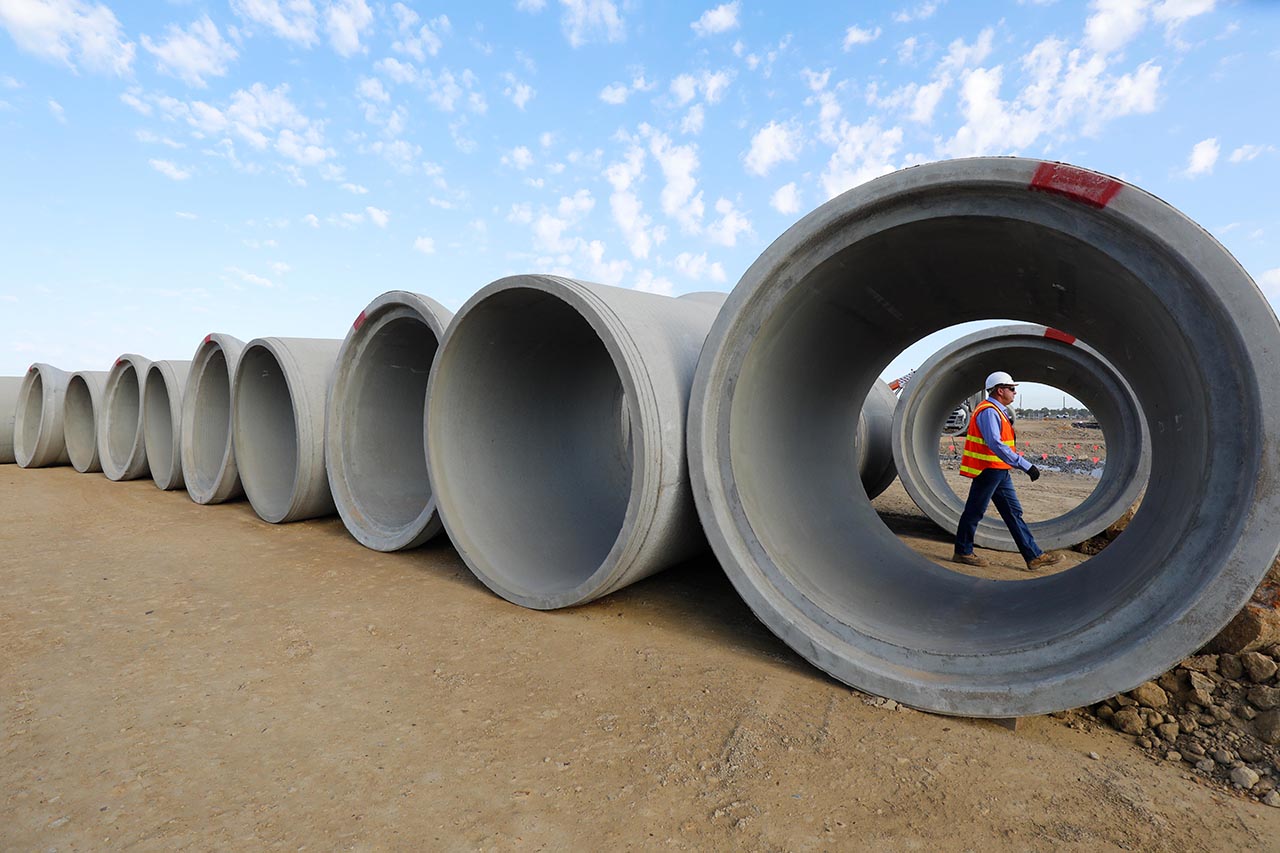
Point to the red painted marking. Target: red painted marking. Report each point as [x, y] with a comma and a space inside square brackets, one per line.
[1044, 456]
[1059, 446]
[359, 321]
[1077, 447]
[1055, 335]
[1068, 458]
[208, 338]
[119, 361]
[1076, 184]
[1095, 460]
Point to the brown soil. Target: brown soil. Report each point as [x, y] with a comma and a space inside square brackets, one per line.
[185, 677]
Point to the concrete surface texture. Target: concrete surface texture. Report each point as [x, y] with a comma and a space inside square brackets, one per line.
[162, 421]
[121, 445]
[9, 387]
[959, 369]
[374, 449]
[80, 410]
[209, 467]
[555, 436]
[845, 289]
[183, 677]
[278, 396]
[876, 467]
[38, 438]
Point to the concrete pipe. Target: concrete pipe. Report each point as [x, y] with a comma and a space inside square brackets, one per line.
[162, 421]
[374, 452]
[80, 411]
[1031, 354]
[555, 436]
[277, 413]
[9, 387]
[38, 438]
[208, 455]
[876, 467]
[121, 445]
[834, 299]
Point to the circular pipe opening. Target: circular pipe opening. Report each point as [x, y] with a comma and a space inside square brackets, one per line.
[32, 415]
[79, 422]
[158, 425]
[826, 307]
[211, 420]
[266, 433]
[534, 437]
[124, 416]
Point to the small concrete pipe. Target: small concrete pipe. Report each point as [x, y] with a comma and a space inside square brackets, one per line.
[832, 301]
[9, 387]
[162, 421]
[374, 450]
[555, 436]
[38, 438]
[208, 454]
[80, 412]
[1030, 354]
[121, 446]
[277, 411]
[876, 467]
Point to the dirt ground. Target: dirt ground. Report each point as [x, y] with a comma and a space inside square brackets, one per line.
[182, 677]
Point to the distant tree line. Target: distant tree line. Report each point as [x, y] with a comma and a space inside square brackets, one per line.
[1065, 414]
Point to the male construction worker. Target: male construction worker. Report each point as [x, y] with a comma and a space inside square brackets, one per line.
[989, 456]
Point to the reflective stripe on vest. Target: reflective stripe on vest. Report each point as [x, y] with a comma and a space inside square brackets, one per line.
[976, 458]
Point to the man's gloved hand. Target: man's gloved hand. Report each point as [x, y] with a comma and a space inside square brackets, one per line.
[1034, 473]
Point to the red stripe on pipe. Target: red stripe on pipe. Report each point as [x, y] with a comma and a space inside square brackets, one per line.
[1054, 334]
[359, 321]
[1076, 184]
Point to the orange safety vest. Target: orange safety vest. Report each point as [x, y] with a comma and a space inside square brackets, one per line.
[977, 457]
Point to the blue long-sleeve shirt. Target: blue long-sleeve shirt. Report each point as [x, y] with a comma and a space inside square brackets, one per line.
[989, 426]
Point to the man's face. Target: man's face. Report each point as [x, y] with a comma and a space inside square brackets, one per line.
[1005, 394]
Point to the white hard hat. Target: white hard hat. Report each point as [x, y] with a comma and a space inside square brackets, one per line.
[999, 378]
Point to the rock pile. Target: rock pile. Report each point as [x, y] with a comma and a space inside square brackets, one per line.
[1219, 713]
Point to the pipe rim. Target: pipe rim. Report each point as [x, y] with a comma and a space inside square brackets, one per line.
[1120, 484]
[268, 507]
[38, 439]
[130, 462]
[80, 427]
[934, 680]
[205, 486]
[162, 424]
[365, 523]
[642, 409]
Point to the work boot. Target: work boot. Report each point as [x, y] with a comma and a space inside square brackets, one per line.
[968, 559]
[1044, 561]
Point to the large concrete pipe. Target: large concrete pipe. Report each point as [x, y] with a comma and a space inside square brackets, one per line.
[876, 468]
[1031, 354]
[80, 411]
[374, 450]
[38, 439]
[121, 446]
[208, 454]
[9, 387]
[277, 411]
[834, 299]
[555, 435]
[162, 421]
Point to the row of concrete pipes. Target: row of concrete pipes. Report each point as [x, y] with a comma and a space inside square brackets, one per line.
[573, 438]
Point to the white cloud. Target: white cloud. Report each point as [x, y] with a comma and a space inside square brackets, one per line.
[863, 151]
[685, 88]
[697, 267]
[577, 205]
[646, 282]
[399, 72]
[786, 199]
[857, 35]
[615, 93]
[371, 89]
[425, 245]
[183, 214]
[586, 21]
[1248, 152]
[1269, 281]
[251, 278]
[1203, 157]
[519, 92]
[346, 21]
[531, 5]
[192, 54]
[355, 189]
[712, 84]
[1114, 23]
[72, 32]
[625, 206]
[426, 41]
[169, 170]
[920, 13]
[312, 220]
[721, 19]
[693, 120]
[772, 144]
[731, 223]
[907, 49]
[520, 158]
[56, 110]
[681, 200]
[294, 20]
[378, 216]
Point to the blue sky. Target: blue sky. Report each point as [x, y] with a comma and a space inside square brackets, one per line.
[266, 167]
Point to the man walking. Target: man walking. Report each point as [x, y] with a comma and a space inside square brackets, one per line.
[989, 455]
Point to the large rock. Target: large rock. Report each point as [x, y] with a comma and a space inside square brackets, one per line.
[1201, 689]
[1267, 727]
[1264, 698]
[1259, 667]
[1150, 694]
[1254, 627]
[1129, 720]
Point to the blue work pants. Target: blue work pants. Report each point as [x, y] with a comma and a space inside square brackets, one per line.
[994, 485]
